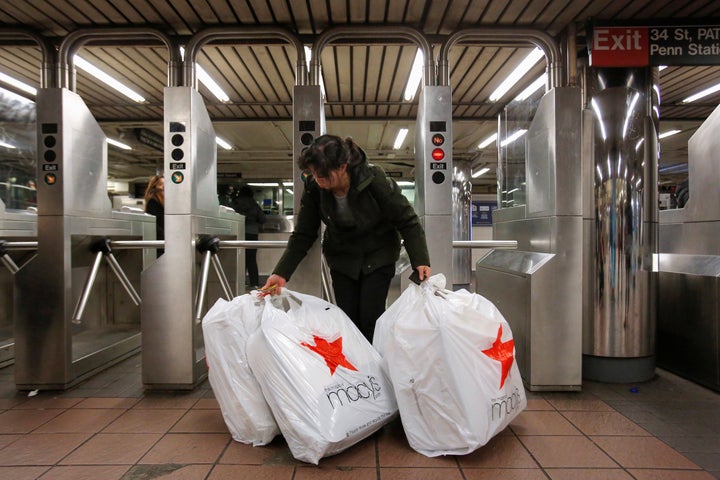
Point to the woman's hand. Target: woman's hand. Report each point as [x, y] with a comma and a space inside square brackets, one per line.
[423, 272]
[274, 285]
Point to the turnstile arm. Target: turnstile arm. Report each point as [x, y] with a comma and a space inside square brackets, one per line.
[209, 247]
[102, 249]
[6, 260]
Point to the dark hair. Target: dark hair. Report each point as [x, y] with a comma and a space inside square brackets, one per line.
[329, 152]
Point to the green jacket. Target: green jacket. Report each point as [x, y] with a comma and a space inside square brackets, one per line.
[381, 216]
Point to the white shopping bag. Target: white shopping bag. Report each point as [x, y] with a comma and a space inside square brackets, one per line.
[321, 377]
[226, 329]
[451, 359]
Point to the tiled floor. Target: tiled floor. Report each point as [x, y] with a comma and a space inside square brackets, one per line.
[108, 428]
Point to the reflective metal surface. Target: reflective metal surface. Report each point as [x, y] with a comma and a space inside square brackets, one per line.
[689, 264]
[308, 113]
[624, 293]
[461, 202]
[73, 211]
[173, 353]
[538, 288]
[14, 226]
[433, 178]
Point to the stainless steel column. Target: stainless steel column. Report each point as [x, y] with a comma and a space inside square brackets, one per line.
[619, 339]
[461, 202]
[433, 177]
[308, 124]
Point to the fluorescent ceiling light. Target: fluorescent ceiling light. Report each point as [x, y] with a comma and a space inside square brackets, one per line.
[668, 133]
[405, 183]
[6, 145]
[704, 93]
[205, 78]
[482, 171]
[517, 74]
[264, 184]
[402, 133]
[513, 137]
[18, 84]
[107, 79]
[488, 141]
[416, 73]
[118, 144]
[223, 143]
[532, 88]
[211, 85]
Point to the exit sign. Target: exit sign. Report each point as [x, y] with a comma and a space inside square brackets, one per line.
[633, 46]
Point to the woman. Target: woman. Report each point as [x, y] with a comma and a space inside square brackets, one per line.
[155, 205]
[365, 214]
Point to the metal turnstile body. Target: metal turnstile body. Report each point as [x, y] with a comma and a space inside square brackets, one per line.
[434, 175]
[308, 124]
[538, 288]
[688, 329]
[15, 226]
[173, 353]
[52, 352]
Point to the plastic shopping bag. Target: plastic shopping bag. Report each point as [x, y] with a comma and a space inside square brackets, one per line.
[451, 359]
[226, 328]
[321, 377]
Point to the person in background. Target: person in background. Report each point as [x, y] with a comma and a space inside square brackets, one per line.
[245, 204]
[366, 215]
[155, 205]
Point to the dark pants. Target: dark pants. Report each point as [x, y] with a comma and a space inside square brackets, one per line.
[363, 300]
[251, 261]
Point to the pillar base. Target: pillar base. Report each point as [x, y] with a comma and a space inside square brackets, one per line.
[618, 369]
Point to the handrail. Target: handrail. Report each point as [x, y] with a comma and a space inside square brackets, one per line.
[253, 34]
[372, 32]
[511, 244]
[76, 39]
[507, 36]
[46, 71]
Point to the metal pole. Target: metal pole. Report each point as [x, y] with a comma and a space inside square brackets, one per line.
[82, 301]
[120, 274]
[221, 276]
[511, 244]
[202, 286]
[8, 262]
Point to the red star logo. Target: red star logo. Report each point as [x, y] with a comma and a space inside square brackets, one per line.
[503, 353]
[331, 352]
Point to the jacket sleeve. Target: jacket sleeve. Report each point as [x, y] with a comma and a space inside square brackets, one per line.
[401, 214]
[307, 224]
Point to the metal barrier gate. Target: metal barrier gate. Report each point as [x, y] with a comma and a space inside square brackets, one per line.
[14, 227]
[175, 289]
[52, 351]
[688, 339]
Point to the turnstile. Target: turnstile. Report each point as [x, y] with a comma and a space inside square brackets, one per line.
[52, 351]
[15, 226]
[538, 288]
[173, 353]
[688, 324]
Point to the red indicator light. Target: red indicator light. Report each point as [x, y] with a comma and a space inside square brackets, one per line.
[438, 139]
[438, 154]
